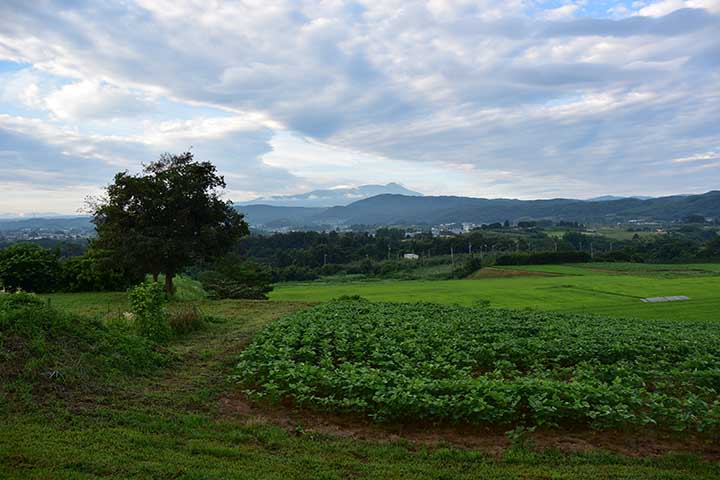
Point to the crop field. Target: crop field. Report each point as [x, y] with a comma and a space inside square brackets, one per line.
[613, 289]
[409, 362]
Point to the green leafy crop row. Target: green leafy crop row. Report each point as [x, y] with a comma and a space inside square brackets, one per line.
[409, 362]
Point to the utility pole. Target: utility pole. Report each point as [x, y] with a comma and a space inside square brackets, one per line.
[388, 252]
[452, 256]
[470, 248]
[324, 259]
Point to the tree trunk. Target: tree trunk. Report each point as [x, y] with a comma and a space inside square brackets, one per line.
[155, 276]
[169, 287]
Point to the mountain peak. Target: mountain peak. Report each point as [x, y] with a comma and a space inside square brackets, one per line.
[331, 197]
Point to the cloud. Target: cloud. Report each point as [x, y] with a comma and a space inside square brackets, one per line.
[700, 157]
[560, 13]
[88, 100]
[565, 97]
[664, 7]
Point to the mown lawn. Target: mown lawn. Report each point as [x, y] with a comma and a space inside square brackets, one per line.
[171, 424]
[606, 289]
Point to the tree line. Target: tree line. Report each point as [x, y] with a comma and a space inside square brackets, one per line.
[170, 219]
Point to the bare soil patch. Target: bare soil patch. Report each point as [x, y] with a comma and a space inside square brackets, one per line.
[491, 272]
[486, 439]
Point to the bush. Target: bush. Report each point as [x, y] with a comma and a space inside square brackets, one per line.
[618, 256]
[147, 303]
[29, 267]
[543, 258]
[467, 268]
[95, 272]
[236, 278]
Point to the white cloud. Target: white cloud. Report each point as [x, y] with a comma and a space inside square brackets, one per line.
[562, 13]
[700, 157]
[664, 7]
[91, 100]
[402, 86]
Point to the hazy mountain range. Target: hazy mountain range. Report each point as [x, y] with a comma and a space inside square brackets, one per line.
[333, 197]
[396, 209]
[400, 209]
[81, 223]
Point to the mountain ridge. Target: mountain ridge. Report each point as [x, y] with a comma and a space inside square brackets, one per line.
[394, 209]
[400, 209]
[332, 197]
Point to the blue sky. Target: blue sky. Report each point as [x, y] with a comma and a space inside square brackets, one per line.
[487, 98]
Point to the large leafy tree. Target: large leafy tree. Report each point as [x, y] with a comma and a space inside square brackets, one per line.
[167, 217]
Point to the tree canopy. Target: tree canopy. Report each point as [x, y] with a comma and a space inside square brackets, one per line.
[28, 267]
[167, 217]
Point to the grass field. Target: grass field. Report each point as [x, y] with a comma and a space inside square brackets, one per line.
[607, 289]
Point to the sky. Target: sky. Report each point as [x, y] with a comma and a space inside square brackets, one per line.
[485, 98]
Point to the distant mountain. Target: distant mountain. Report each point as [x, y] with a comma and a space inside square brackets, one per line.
[401, 209]
[607, 198]
[333, 197]
[270, 216]
[391, 209]
[54, 223]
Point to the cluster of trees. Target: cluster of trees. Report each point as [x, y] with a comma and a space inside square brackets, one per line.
[170, 219]
[33, 268]
[300, 256]
[315, 250]
[161, 221]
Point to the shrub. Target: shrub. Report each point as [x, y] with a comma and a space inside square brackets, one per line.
[467, 268]
[234, 277]
[95, 272]
[147, 302]
[543, 258]
[29, 267]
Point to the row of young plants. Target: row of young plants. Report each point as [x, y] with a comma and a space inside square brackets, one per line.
[427, 362]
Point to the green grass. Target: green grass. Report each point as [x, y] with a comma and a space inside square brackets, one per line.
[577, 289]
[172, 424]
[191, 446]
[46, 352]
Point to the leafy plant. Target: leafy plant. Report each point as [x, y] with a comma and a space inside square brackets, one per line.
[409, 362]
[147, 302]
